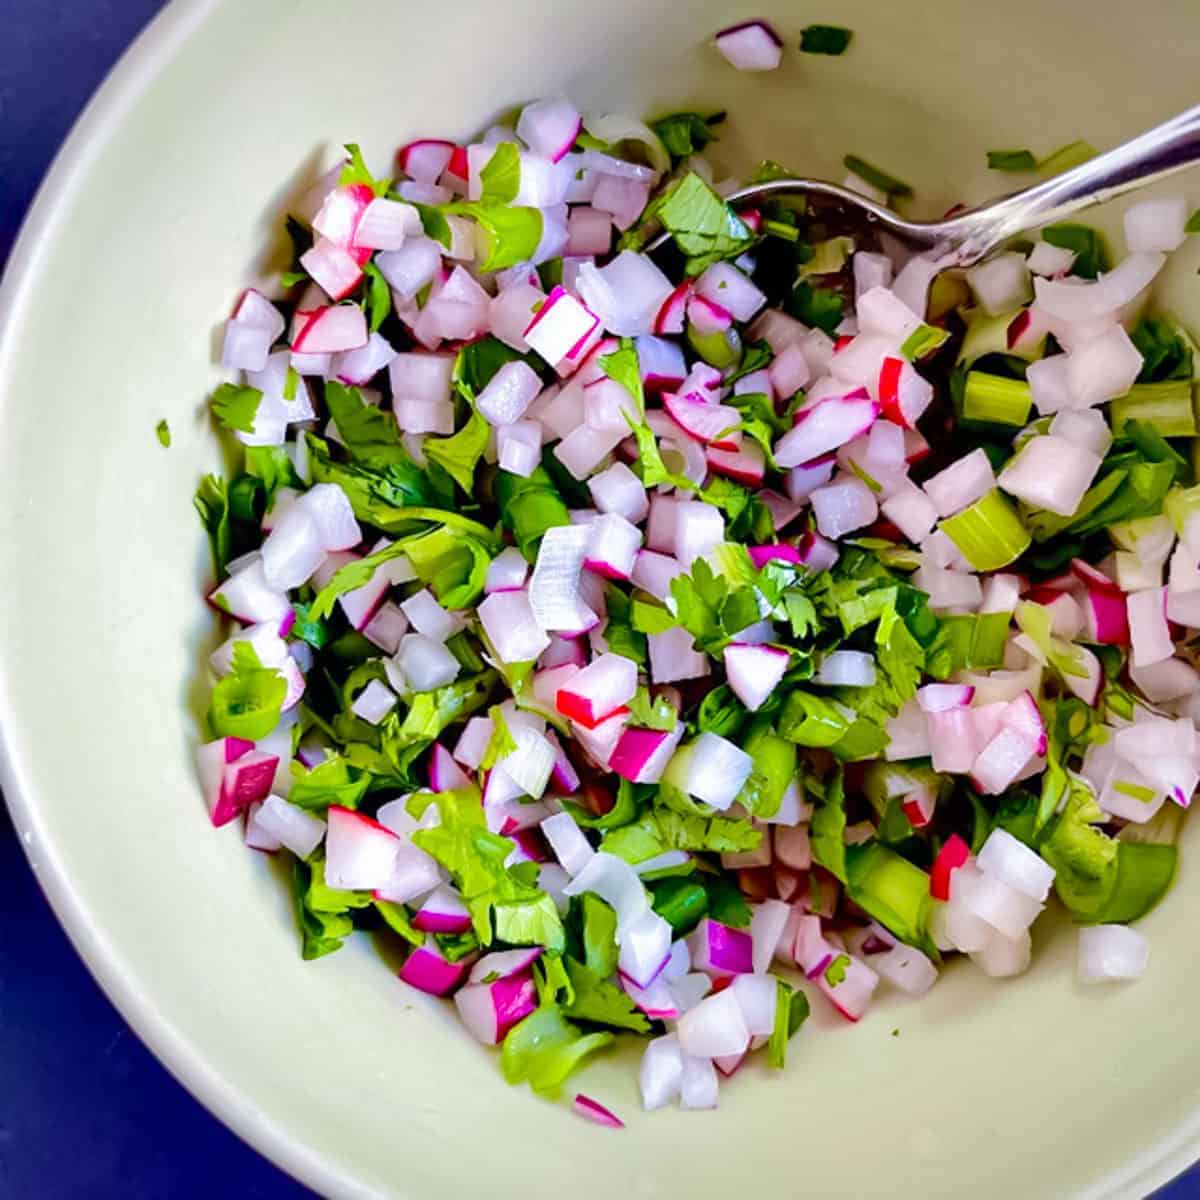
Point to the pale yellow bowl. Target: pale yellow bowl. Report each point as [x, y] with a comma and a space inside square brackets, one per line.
[157, 211]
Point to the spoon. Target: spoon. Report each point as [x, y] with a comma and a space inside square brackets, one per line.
[967, 237]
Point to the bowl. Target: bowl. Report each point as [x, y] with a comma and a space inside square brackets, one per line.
[157, 211]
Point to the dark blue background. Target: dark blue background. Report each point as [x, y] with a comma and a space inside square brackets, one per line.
[85, 1109]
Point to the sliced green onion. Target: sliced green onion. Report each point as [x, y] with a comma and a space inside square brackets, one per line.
[721, 349]
[1135, 791]
[782, 230]
[1193, 225]
[1011, 160]
[891, 890]
[876, 177]
[989, 534]
[1073, 154]
[825, 39]
[996, 400]
[923, 340]
[1166, 406]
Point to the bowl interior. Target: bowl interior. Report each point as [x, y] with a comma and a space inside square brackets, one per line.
[168, 199]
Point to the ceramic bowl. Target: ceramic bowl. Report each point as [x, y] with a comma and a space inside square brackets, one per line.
[164, 202]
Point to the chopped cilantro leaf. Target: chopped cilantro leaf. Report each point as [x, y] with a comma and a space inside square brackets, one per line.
[825, 39]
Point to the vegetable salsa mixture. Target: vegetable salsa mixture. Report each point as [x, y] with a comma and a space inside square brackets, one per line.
[632, 634]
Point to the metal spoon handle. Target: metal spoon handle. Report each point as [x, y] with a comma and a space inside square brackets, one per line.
[1167, 148]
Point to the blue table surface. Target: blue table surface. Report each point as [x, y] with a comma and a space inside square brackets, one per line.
[85, 1109]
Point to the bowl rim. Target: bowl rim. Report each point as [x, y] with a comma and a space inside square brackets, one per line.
[151, 52]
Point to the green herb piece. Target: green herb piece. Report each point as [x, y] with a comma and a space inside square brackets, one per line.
[1092, 256]
[321, 911]
[378, 298]
[989, 533]
[825, 39]
[355, 172]
[331, 781]
[828, 827]
[686, 133]
[791, 1011]
[235, 406]
[1011, 160]
[523, 914]
[658, 713]
[681, 902]
[544, 1048]
[828, 257]
[529, 505]
[654, 833]
[459, 454]
[511, 233]
[1166, 349]
[370, 434]
[396, 918]
[995, 400]
[704, 227]
[396, 499]
[893, 891]
[818, 307]
[212, 503]
[1073, 154]
[162, 431]
[501, 175]
[876, 177]
[923, 340]
[1167, 407]
[247, 702]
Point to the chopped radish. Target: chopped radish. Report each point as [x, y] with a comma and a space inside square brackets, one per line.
[359, 852]
[752, 46]
[754, 672]
[601, 689]
[427, 969]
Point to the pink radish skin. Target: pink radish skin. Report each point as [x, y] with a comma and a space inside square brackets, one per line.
[443, 912]
[503, 964]
[334, 268]
[936, 697]
[747, 465]
[427, 971]
[340, 215]
[490, 1010]
[234, 775]
[824, 427]
[761, 555]
[706, 422]
[706, 316]
[654, 1000]
[642, 755]
[601, 690]
[330, 329]
[359, 852]
[592, 1110]
[445, 775]
[426, 159]
[671, 316]
[1105, 612]
[720, 949]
